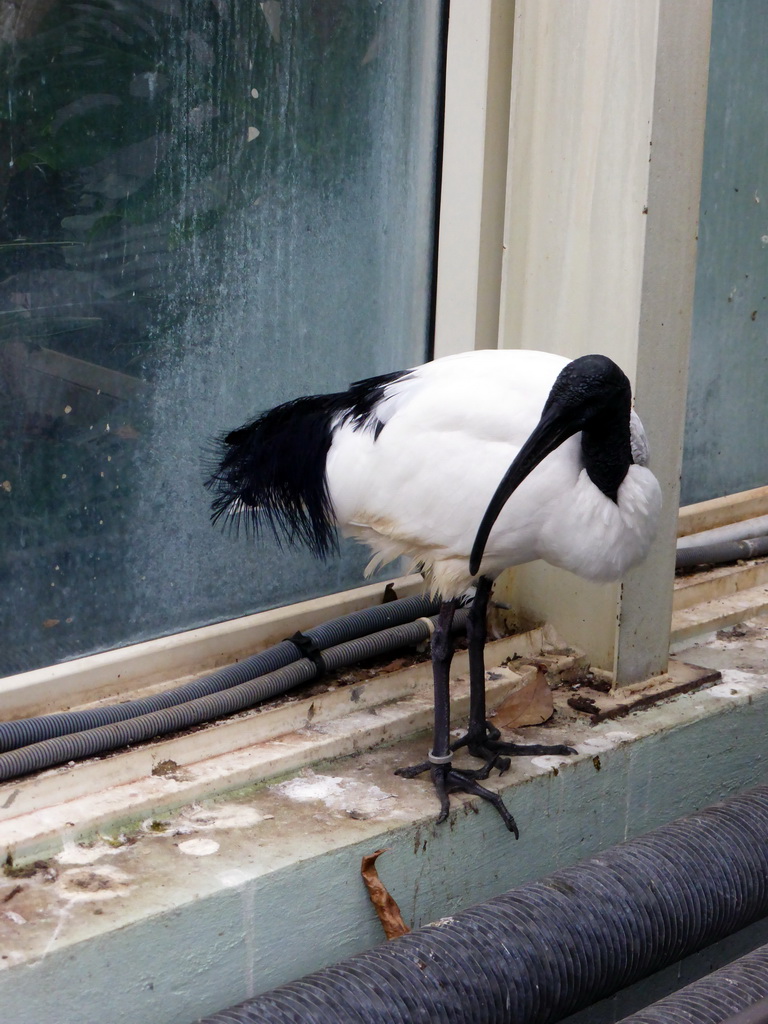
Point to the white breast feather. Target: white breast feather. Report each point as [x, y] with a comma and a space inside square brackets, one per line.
[597, 538]
[451, 431]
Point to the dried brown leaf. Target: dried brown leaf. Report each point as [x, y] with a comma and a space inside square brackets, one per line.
[385, 906]
[530, 704]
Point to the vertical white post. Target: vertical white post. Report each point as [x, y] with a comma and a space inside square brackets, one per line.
[606, 141]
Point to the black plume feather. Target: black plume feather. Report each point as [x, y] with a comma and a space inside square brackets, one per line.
[271, 471]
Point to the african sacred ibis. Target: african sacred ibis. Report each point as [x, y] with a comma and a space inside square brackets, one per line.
[467, 465]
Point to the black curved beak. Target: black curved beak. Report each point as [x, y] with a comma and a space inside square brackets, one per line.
[555, 426]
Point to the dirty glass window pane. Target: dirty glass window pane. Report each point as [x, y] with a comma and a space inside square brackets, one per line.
[726, 431]
[207, 208]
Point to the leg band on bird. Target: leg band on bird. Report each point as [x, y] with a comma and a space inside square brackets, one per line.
[445, 778]
[434, 759]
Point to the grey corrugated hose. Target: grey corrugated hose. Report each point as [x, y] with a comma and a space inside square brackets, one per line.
[548, 948]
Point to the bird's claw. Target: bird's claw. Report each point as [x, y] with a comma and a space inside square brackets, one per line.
[485, 751]
[488, 745]
[447, 779]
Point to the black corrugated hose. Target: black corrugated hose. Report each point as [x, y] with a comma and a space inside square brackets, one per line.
[69, 746]
[737, 989]
[548, 948]
[348, 627]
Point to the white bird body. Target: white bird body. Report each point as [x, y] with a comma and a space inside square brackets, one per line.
[451, 429]
[466, 465]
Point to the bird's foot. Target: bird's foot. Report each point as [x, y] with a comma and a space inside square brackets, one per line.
[488, 745]
[447, 779]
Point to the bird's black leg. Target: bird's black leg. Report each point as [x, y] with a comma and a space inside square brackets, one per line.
[445, 778]
[482, 739]
[479, 729]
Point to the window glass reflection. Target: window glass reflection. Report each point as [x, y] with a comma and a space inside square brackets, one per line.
[207, 208]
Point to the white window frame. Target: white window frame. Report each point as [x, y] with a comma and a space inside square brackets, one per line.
[483, 276]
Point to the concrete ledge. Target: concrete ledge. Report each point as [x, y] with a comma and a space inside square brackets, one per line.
[116, 791]
[718, 613]
[213, 904]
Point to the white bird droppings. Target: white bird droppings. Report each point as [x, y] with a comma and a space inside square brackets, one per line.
[735, 684]
[13, 916]
[75, 854]
[205, 819]
[310, 787]
[548, 761]
[604, 741]
[223, 816]
[199, 847]
[90, 885]
[356, 798]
